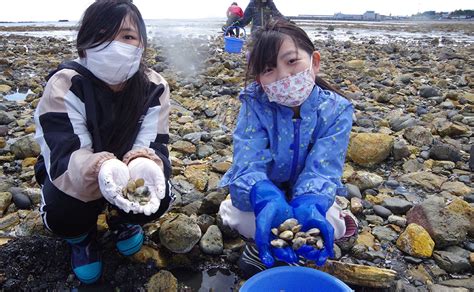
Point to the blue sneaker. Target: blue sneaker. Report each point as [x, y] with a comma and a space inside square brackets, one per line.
[129, 239]
[85, 257]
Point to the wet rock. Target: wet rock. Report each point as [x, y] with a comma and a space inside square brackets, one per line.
[204, 151]
[457, 283]
[423, 179]
[445, 152]
[397, 220]
[9, 221]
[412, 165]
[444, 226]
[369, 149]
[5, 200]
[25, 146]
[211, 242]
[198, 175]
[416, 241]
[400, 149]
[402, 122]
[382, 211]
[397, 205]
[353, 191]
[365, 180]
[428, 91]
[451, 262]
[383, 233]
[6, 118]
[180, 233]
[204, 221]
[163, 281]
[456, 188]
[21, 200]
[211, 202]
[441, 288]
[418, 136]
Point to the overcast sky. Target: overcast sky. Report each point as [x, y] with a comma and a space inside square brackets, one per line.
[52, 10]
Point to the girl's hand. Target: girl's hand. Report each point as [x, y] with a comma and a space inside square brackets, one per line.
[154, 178]
[310, 211]
[113, 177]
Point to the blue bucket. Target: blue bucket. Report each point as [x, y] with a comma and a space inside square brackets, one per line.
[233, 44]
[294, 279]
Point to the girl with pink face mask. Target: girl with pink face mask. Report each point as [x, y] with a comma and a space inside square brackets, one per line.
[290, 143]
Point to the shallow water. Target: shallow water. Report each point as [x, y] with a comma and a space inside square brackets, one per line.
[17, 96]
[356, 31]
[213, 279]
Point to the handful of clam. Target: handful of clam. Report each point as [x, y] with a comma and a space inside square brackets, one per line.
[289, 234]
[136, 191]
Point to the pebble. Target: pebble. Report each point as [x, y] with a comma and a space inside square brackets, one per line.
[382, 211]
[21, 200]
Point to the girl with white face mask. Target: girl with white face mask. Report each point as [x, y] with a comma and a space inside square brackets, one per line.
[290, 143]
[101, 123]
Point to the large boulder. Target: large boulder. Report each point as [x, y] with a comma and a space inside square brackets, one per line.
[369, 149]
[180, 233]
[446, 226]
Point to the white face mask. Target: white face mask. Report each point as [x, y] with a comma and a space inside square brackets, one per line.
[293, 90]
[113, 62]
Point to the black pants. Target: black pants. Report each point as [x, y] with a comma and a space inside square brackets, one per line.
[66, 216]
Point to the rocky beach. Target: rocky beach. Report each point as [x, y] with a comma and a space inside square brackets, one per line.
[408, 176]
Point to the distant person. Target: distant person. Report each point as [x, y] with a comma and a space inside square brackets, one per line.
[260, 12]
[101, 122]
[234, 13]
[290, 142]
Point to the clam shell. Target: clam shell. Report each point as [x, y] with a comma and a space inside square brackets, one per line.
[298, 243]
[296, 228]
[131, 187]
[275, 231]
[278, 243]
[313, 232]
[287, 235]
[142, 191]
[319, 244]
[288, 224]
[140, 182]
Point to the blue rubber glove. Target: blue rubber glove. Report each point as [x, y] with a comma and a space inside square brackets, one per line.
[271, 209]
[310, 211]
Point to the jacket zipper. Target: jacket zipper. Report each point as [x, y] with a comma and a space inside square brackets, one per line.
[296, 150]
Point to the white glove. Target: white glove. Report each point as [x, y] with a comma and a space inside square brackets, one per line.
[154, 177]
[113, 177]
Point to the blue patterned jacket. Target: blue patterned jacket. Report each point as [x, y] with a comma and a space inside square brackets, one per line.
[301, 156]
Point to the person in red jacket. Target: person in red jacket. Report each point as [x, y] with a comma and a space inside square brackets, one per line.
[234, 13]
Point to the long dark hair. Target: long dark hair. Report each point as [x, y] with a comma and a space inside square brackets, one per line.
[100, 24]
[266, 43]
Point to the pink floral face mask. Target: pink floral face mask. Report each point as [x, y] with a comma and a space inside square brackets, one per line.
[293, 90]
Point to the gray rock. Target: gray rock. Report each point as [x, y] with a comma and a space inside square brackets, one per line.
[441, 288]
[384, 233]
[400, 149]
[20, 198]
[403, 122]
[461, 252]
[413, 260]
[374, 219]
[6, 118]
[469, 245]
[428, 91]
[451, 262]
[3, 130]
[397, 220]
[466, 283]
[391, 183]
[180, 233]
[204, 151]
[5, 200]
[353, 191]
[382, 211]
[211, 203]
[445, 152]
[397, 205]
[412, 165]
[211, 242]
[418, 136]
[204, 221]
